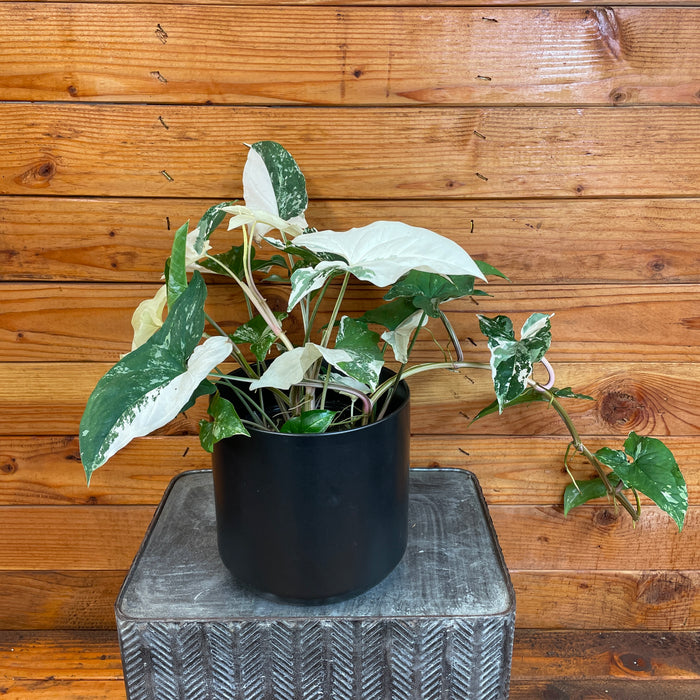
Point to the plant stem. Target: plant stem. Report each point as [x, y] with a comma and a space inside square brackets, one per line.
[580, 447]
[259, 303]
[398, 375]
[427, 367]
[236, 351]
[336, 309]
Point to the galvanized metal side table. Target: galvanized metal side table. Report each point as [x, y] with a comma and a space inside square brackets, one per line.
[439, 627]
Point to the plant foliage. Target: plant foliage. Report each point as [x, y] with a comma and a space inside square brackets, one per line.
[328, 378]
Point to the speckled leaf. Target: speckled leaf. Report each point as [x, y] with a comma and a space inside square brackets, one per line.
[648, 466]
[512, 360]
[258, 334]
[273, 182]
[366, 359]
[208, 223]
[177, 267]
[149, 386]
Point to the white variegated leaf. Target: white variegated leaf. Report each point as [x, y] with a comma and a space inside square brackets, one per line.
[258, 192]
[399, 339]
[248, 216]
[148, 317]
[384, 251]
[160, 405]
[308, 279]
[290, 367]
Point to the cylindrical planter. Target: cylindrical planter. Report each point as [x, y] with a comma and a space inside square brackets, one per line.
[314, 518]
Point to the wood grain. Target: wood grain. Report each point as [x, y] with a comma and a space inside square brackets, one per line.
[65, 690]
[513, 471]
[60, 655]
[495, 4]
[607, 600]
[595, 538]
[601, 690]
[590, 655]
[79, 322]
[529, 55]
[72, 538]
[59, 599]
[544, 242]
[650, 398]
[124, 150]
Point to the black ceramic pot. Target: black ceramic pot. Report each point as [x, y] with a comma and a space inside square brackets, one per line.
[314, 518]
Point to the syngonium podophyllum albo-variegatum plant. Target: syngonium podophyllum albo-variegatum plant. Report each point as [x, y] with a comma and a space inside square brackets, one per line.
[176, 360]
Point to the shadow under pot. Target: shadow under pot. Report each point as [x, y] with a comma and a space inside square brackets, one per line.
[314, 518]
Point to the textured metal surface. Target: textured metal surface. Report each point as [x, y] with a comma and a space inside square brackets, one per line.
[439, 627]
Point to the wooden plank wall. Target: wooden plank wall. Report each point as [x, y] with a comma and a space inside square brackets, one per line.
[560, 143]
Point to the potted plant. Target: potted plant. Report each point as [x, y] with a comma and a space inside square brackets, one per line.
[310, 429]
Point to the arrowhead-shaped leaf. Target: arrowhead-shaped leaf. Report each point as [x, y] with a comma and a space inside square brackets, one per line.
[225, 423]
[308, 279]
[148, 387]
[512, 360]
[273, 182]
[648, 466]
[258, 334]
[428, 290]
[384, 251]
[399, 339]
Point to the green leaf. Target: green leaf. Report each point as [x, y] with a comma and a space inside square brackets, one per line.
[512, 360]
[148, 387]
[586, 491]
[226, 423]
[490, 270]
[273, 183]
[390, 315]
[258, 334]
[315, 421]
[648, 466]
[177, 269]
[233, 260]
[567, 393]
[528, 396]
[208, 223]
[428, 290]
[362, 344]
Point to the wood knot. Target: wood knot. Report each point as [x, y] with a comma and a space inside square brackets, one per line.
[609, 32]
[668, 587]
[38, 175]
[620, 407]
[635, 663]
[656, 265]
[605, 518]
[8, 466]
